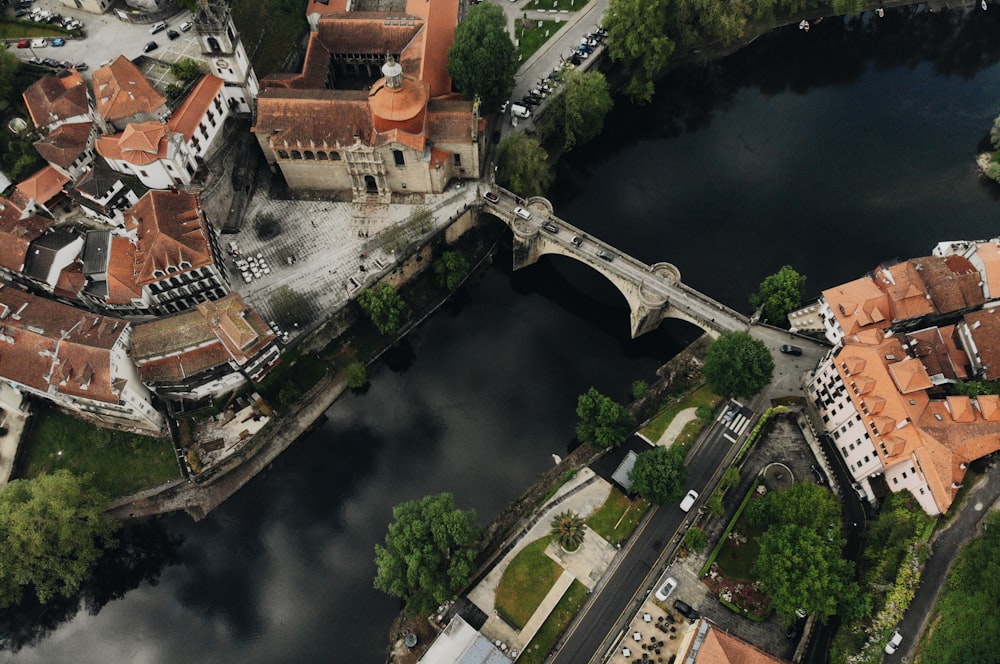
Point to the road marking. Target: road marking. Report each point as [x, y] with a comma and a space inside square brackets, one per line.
[729, 438]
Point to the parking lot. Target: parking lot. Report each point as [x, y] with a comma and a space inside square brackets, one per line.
[106, 37]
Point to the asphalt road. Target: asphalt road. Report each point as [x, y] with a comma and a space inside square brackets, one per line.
[606, 613]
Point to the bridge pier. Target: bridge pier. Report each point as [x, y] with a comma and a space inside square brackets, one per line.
[526, 247]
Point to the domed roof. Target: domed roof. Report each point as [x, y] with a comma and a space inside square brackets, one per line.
[398, 104]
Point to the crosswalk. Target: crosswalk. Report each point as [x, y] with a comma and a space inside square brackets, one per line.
[736, 423]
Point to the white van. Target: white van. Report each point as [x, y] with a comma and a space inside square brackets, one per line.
[158, 27]
[519, 111]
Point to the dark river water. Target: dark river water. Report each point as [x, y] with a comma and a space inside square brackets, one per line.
[829, 150]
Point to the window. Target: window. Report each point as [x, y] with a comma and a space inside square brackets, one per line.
[334, 156]
[296, 154]
[458, 159]
[144, 174]
[310, 156]
[282, 154]
[321, 156]
[397, 156]
[895, 480]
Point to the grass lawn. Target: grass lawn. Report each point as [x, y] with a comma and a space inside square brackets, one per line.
[659, 424]
[531, 40]
[526, 582]
[119, 463]
[689, 433]
[16, 29]
[304, 371]
[269, 29]
[553, 627]
[608, 522]
[548, 5]
[736, 561]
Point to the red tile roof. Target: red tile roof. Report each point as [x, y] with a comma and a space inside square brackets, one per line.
[170, 230]
[16, 234]
[184, 120]
[123, 284]
[451, 120]
[51, 346]
[438, 37]
[329, 118]
[65, 143]
[121, 91]
[984, 327]
[43, 186]
[53, 98]
[719, 647]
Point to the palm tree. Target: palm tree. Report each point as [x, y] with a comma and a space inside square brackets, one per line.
[568, 529]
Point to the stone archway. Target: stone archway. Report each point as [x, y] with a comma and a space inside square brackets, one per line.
[371, 185]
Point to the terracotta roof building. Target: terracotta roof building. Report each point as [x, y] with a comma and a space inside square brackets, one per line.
[104, 194]
[164, 154]
[353, 120]
[75, 359]
[123, 95]
[18, 229]
[69, 148]
[877, 398]
[711, 645]
[212, 349]
[55, 100]
[44, 188]
[167, 261]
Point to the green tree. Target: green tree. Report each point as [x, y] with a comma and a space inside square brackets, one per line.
[659, 474]
[174, 90]
[568, 529]
[9, 64]
[730, 478]
[704, 412]
[289, 393]
[53, 529]
[450, 269]
[482, 61]
[995, 133]
[290, 308]
[738, 365]
[780, 294]
[581, 108]
[801, 569]
[637, 40]
[186, 69]
[522, 164]
[383, 306]
[639, 389]
[803, 504]
[714, 504]
[357, 375]
[429, 552]
[695, 539]
[603, 421]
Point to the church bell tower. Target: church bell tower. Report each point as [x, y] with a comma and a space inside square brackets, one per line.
[223, 49]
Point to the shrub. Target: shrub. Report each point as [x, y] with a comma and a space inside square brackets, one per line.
[357, 375]
[639, 389]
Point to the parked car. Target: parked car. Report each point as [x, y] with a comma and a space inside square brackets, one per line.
[24, 43]
[19, 13]
[790, 350]
[492, 196]
[81, 66]
[172, 34]
[667, 587]
[58, 41]
[818, 474]
[185, 26]
[522, 213]
[794, 630]
[689, 500]
[605, 256]
[39, 43]
[159, 26]
[685, 610]
[550, 227]
[577, 240]
[496, 136]
[150, 46]
[51, 62]
[894, 642]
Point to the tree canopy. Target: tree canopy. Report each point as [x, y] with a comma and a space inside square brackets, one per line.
[482, 61]
[780, 294]
[637, 40]
[523, 165]
[659, 474]
[450, 269]
[53, 529]
[580, 109]
[383, 306]
[738, 365]
[429, 552]
[603, 421]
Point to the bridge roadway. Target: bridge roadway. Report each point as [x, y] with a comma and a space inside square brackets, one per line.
[654, 292]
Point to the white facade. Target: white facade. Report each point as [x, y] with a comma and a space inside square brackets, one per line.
[832, 330]
[92, 6]
[223, 49]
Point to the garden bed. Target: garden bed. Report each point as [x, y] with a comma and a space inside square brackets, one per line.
[525, 583]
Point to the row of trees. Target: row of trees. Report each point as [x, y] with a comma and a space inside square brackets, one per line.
[990, 162]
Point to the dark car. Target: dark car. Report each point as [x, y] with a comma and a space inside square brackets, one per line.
[818, 474]
[794, 630]
[496, 136]
[791, 350]
[173, 34]
[577, 240]
[150, 46]
[685, 610]
[51, 62]
[550, 227]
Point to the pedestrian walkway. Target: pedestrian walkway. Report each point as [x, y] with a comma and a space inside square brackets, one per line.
[677, 425]
[584, 494]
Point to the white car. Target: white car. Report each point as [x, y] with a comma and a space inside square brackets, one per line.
[39, 43]
[894, 642]
[522, 213]
[689, 500]
[668, 586]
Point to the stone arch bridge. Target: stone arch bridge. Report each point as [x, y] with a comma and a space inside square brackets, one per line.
[653, 292]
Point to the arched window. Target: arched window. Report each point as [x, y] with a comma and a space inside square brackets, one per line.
[321, 156]
[157, 273]
[283, 154]
[296, 154]
[335, 156]
[309, 155]
[185, 265]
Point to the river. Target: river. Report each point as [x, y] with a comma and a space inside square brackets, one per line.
[829, 150]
